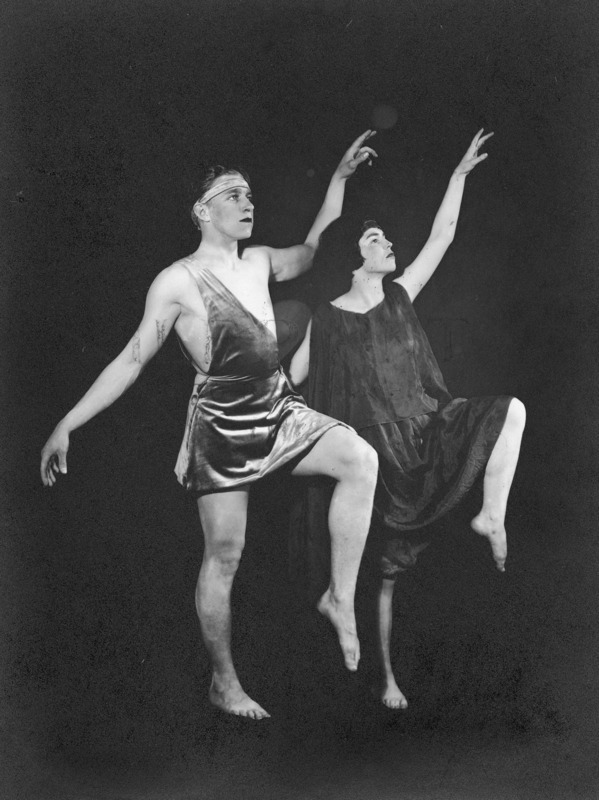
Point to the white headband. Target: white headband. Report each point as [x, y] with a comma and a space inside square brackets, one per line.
[235, 181]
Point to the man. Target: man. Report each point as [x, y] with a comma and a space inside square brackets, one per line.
[244, 419]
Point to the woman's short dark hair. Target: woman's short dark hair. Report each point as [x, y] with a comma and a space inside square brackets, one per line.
[207, 177]
[339, 248]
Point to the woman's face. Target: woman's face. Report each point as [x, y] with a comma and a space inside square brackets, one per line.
[376, 251]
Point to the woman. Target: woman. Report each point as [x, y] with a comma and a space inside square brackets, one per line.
[370, 365]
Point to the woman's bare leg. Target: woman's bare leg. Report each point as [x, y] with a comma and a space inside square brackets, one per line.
[391, 694]
[490, 521]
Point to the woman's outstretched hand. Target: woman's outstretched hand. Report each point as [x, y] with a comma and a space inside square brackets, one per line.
[356, 154]
[471, 157]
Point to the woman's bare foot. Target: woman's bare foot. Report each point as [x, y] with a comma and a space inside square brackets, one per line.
[230, 698]
[342, 617]
[495, 533]
[393, 697]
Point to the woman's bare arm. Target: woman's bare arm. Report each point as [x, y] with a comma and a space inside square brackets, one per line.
[417, 275]
[300, 363]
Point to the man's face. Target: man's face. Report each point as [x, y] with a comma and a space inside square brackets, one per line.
[376, 251]
[231, 212]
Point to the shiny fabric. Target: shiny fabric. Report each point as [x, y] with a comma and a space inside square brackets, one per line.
[244, 419]
[377, 371]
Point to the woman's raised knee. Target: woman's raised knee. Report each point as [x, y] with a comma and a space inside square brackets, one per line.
[516, 414]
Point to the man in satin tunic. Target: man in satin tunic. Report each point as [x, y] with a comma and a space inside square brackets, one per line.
[309, 443]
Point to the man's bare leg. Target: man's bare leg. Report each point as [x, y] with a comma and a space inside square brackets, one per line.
[342, 455]
[391, 694]
[223, 517]
[490, 522]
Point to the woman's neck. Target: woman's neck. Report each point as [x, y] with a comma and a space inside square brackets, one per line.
[366, 290]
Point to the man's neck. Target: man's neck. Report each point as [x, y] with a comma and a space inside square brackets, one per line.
[219, 254]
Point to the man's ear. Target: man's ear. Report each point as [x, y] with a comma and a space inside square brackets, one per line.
[201, 211]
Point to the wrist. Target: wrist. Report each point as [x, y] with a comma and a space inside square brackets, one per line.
[338, 178]
[66, 426]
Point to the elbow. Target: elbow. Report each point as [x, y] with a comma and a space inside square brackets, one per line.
[448, 234]
[130, 366]
[304, 264]
[307, 260]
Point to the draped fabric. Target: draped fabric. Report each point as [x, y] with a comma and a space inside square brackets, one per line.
[377, 372]
[373, 367]
[244, 419]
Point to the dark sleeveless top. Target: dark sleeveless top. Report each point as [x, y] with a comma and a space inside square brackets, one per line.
[374, 367]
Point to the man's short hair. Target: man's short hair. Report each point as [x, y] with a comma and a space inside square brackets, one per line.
[207, 177]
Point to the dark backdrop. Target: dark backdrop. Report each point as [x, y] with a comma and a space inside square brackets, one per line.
[108, 108]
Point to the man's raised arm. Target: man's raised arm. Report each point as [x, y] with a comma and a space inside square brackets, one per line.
[417, 275]
[160, 313]
[289, 262]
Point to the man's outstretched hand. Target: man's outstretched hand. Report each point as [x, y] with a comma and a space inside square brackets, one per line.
[54, 456]
[356, 154]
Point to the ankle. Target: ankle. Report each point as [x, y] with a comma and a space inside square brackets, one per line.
[340, 599]
[494, 516]
[224, 681]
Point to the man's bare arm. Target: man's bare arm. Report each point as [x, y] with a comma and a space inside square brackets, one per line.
[417, 275]
[160, 314]
[289, 262]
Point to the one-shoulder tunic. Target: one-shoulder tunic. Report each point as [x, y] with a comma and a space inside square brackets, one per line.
[377, 372]
[244, 419]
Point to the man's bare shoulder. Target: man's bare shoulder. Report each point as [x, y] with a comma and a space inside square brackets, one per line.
[172, 280]
[258, 256]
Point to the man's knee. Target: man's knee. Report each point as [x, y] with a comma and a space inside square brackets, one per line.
[224, 557]
[360, 459]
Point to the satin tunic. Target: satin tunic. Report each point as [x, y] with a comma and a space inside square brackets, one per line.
[244, 419]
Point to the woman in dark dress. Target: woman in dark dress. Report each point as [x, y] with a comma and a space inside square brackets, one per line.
[370, 365]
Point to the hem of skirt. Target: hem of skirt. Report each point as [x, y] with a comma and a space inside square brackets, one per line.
[283, 461]
[457, 495]
[359, 425]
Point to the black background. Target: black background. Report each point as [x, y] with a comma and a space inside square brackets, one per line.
[108, 108]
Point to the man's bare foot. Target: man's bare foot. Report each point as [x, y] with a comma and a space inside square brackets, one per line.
[233, 700]
[342, 617]
[495, 533]
[393, 697]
